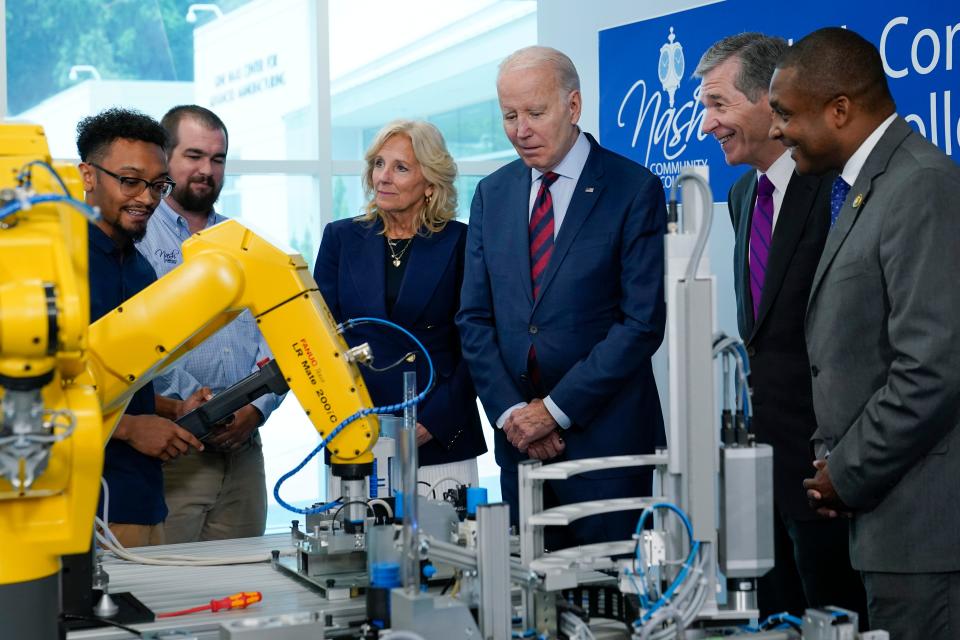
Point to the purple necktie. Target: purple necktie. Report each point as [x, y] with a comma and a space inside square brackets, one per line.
[761, 233]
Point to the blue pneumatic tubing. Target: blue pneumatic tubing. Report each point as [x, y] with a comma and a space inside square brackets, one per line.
[82, 207]
[390, 408]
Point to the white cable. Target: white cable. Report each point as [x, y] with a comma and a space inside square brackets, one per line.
[703, 230]
[725, 367]
[106, 499]
[575, 628]
[382, 503]
[688, 616]
[693, 588]
[109, 541]
[661, 616]
[741, 373]
[724, 343]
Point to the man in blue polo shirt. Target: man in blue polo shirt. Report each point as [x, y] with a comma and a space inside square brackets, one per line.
[124, 172]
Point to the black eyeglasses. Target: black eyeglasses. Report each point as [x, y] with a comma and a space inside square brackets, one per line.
[133, 187]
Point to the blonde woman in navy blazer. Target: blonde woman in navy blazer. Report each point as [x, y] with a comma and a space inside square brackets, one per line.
[402, 259]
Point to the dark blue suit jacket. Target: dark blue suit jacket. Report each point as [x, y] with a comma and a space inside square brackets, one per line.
[600, 315]
[350, 272]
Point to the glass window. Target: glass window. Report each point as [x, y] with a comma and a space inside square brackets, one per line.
[466, 186]
[428, 59]
[256, 67]
[263, 65]
[348, 198]
[287, 438]
[253, 62]
[283, 208]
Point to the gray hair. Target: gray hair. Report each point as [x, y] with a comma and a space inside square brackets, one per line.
[758, 55]
[535, 56]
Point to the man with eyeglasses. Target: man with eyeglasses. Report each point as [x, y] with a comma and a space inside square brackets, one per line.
[220, 493]
[124, 172]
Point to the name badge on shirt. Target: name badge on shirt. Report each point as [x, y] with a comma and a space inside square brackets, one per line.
[169, 257]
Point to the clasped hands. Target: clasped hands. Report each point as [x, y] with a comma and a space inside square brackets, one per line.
[822, 495]
[534, 431]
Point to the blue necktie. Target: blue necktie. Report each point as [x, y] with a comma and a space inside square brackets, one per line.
[837, 197]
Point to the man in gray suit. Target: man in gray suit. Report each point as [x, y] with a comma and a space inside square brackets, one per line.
[883, 330]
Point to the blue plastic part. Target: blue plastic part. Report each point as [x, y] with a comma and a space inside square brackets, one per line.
[385, 575]
[429, 571]
[398, 505]
[476, 496]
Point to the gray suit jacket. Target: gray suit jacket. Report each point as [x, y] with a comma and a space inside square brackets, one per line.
[883, 336]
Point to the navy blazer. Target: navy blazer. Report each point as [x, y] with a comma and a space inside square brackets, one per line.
[600, 315]
[350, 272]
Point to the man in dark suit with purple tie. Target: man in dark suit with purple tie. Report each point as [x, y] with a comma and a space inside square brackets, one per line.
[781, 221]
[562, 303]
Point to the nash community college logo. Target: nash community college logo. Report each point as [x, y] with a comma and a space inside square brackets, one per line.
[663, 130]
[671, 65]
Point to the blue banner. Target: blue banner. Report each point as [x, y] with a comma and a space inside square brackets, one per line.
[650, 107]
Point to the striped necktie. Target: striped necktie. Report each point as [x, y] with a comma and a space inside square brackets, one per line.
[761, 234]
[541, 232]
[541, 248]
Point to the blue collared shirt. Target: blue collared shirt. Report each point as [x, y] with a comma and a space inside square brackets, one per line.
[135, 480]
[227, 356]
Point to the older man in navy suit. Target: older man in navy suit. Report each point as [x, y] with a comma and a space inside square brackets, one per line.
[562, 303]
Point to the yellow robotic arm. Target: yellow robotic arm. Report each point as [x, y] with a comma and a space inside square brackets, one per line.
[225, 270]
[64, 385]
[51, 431]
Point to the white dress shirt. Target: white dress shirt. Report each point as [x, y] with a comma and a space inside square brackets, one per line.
[851, 170]
[779, 173]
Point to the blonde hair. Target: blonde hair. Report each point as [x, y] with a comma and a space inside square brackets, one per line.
[437, 165]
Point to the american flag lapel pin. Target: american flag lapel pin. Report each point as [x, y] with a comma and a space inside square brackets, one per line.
[589, 190]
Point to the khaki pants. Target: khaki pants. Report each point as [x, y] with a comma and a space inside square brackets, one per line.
[215, 496]
[138, 535]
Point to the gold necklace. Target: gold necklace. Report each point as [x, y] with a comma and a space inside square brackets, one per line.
[398, 256]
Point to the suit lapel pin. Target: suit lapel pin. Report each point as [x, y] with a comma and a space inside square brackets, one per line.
[858, 200]
[589, 190]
